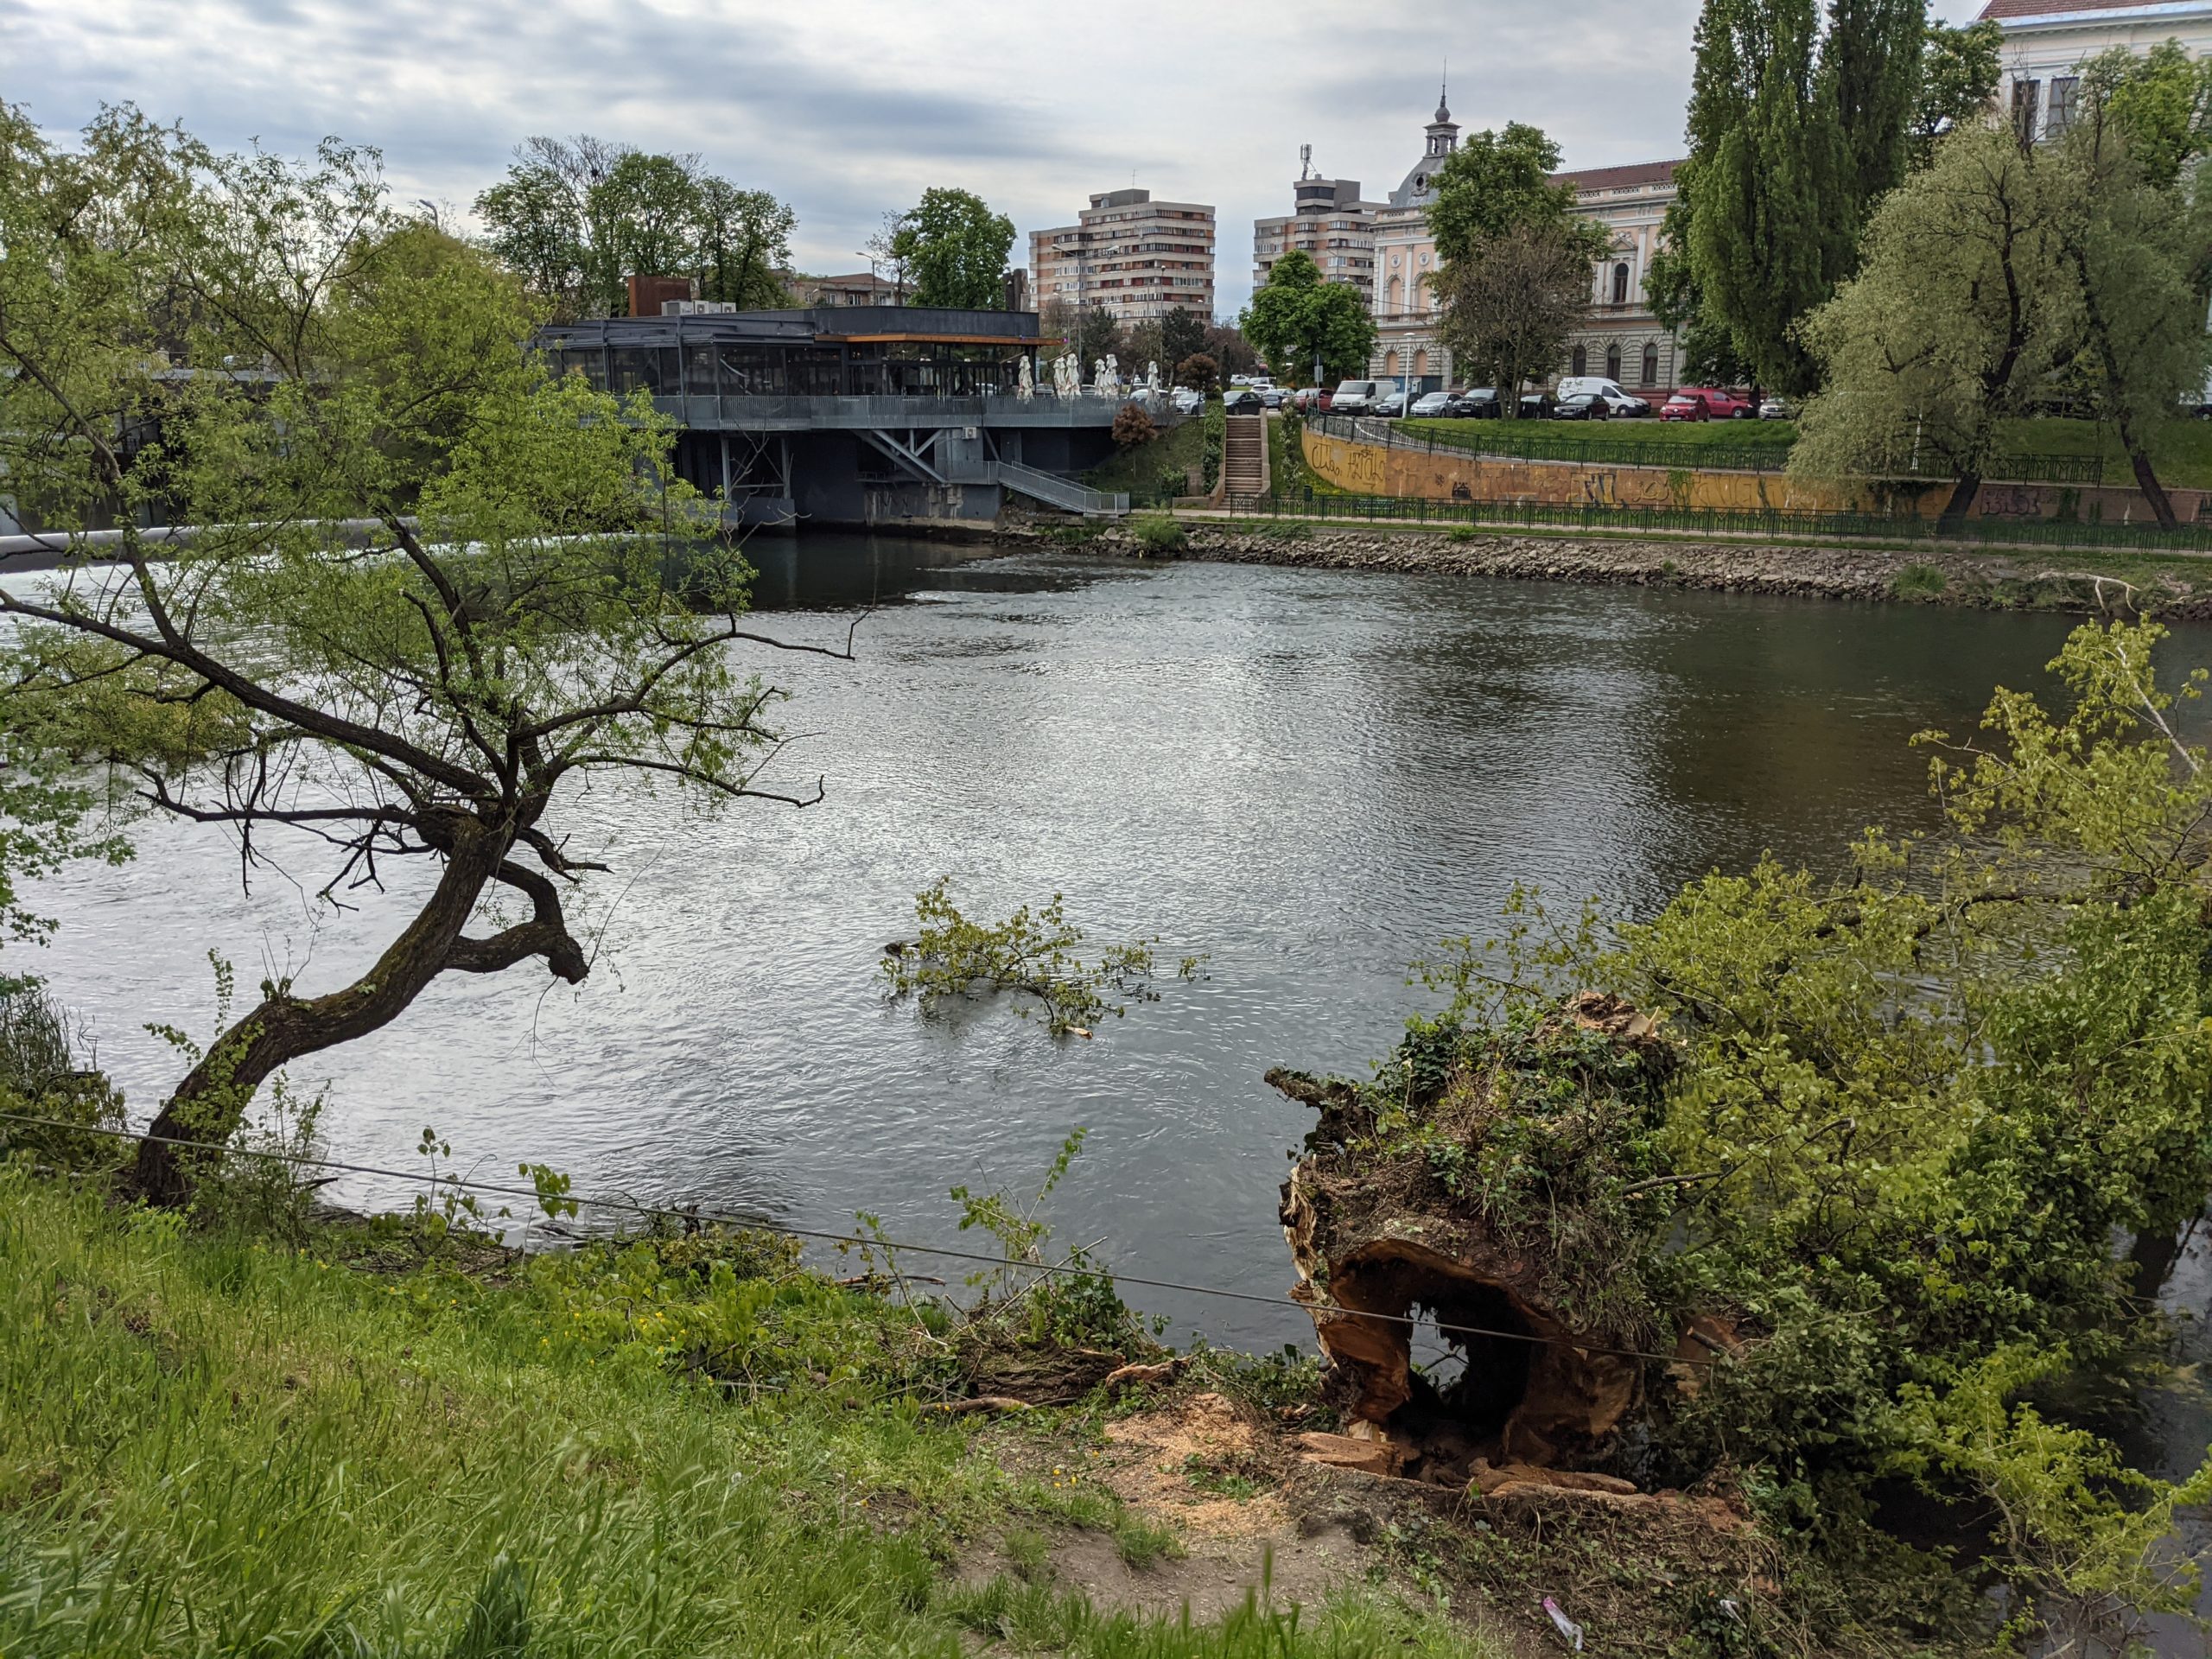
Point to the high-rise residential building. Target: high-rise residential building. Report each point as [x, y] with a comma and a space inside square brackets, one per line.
[1330, 225]
[1622, 338]
[1136, 257]
[2047, 41]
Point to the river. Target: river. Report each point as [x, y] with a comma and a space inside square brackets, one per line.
[1309, 777]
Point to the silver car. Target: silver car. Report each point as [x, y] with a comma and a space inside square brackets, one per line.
[1431, 405]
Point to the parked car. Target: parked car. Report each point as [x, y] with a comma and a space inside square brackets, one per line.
[1187, 402]
[1273, 396]
[1480, 404]
[1536, 406]
[1391, 405]
[1627, 406]
[1583, 406]
[1778, 408]
[1243, 401]
[1574, 386]
[1355, 397]
[1703, 403]
[1431, 405]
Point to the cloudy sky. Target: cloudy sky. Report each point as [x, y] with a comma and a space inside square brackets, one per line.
[848, 109]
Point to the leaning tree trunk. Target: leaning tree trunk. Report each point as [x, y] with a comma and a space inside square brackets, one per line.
[2162, 507]
[212, 1099]
[1961, 502]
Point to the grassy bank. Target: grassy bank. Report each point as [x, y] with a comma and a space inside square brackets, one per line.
[211, 1444]
[1140, 470]
[2183, 456]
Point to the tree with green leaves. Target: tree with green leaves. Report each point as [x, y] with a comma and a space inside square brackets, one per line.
[2160, 102]
[1873, 66]
[2137, 247]
[574, 219]
[1493, 184]
[431, 595]
[955, 249]
[1706, 350]
[1959, 72]
[1296, 320]
[1768, 156]
[1509, 308]
[1514, 280]
[1958, 319]
[1182, 333]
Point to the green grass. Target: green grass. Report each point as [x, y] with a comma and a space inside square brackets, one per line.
[211, 1445]
[1775, 435]
[2183, 456]
[1138, 470]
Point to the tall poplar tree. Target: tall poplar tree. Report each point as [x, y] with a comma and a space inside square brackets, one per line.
[1765, 140]
[1794, 136]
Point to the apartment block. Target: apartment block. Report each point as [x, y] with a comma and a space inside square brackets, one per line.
[1136, 257]
[1330, 225]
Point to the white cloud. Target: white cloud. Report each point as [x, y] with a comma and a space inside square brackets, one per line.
[848, 109]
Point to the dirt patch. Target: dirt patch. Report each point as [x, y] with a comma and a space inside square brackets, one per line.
[1200, 1466]
[1283, 1568]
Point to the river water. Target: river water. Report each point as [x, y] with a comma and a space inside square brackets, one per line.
[1310, 777]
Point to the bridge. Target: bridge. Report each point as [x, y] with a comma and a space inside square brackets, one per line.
[867, 415]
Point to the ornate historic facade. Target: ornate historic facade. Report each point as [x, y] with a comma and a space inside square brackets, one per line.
[1622, 339]
[2047, 41]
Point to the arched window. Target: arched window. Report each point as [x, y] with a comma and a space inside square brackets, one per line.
[1396, 290]
[1390, 363]
[1420, 362]
[1578, 364]
[1620, 284]
[1650, 364]
[1613, 362]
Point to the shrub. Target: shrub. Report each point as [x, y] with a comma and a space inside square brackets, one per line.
[1216, 426]
[1132, 426]
[1160, 532]
[48, 1071]
[1918, 582]
[1465, 533]
[1198, 371]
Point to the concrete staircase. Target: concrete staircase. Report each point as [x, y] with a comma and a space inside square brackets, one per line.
[1244, 455]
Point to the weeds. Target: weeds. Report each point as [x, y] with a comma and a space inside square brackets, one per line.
[1918, 582]
[1158, 533]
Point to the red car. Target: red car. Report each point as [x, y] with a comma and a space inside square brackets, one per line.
[1704, 403]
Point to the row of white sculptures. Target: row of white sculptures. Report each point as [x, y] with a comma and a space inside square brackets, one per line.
[1106, 379]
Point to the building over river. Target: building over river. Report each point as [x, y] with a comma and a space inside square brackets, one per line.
[852, 414]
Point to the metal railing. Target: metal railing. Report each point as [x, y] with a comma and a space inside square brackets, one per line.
[1774, 522]
[1540, 439]
[1056, 491]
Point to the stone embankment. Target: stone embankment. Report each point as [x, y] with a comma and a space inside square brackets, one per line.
[2113, 583]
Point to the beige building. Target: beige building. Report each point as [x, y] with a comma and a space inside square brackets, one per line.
[1405, 268]
[1623, 340]
[1136, 257]
[1328, 223]
[2047, 41]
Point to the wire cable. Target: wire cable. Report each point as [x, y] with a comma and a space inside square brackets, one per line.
[692, 1214]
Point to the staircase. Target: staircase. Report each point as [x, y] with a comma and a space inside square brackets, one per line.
[1056, 491]
[1244, 455]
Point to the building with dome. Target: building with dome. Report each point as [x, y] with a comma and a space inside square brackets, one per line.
[1621, 340]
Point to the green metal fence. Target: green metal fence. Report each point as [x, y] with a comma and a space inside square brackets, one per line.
[1537, 439]
[1717, 521]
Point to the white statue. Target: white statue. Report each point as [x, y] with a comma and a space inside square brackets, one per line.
[1113, 375]
[1071, 376]
[1025, 383]
[1151, 379]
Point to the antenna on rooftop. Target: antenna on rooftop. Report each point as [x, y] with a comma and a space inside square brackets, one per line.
[1304, 161]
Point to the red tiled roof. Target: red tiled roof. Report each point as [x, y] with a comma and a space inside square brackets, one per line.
[1619, 178]
[2003, 10]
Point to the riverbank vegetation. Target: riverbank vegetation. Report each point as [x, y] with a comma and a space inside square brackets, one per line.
[1869, 1141]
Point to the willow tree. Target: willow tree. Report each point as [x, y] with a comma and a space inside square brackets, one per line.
[431, 594]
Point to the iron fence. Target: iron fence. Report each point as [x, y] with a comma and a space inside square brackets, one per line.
[1537, 439]
[1773, 522]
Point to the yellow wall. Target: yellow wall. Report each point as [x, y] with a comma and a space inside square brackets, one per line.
[1371, 469]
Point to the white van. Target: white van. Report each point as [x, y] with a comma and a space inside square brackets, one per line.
[1354, 397]
[1575, 384]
